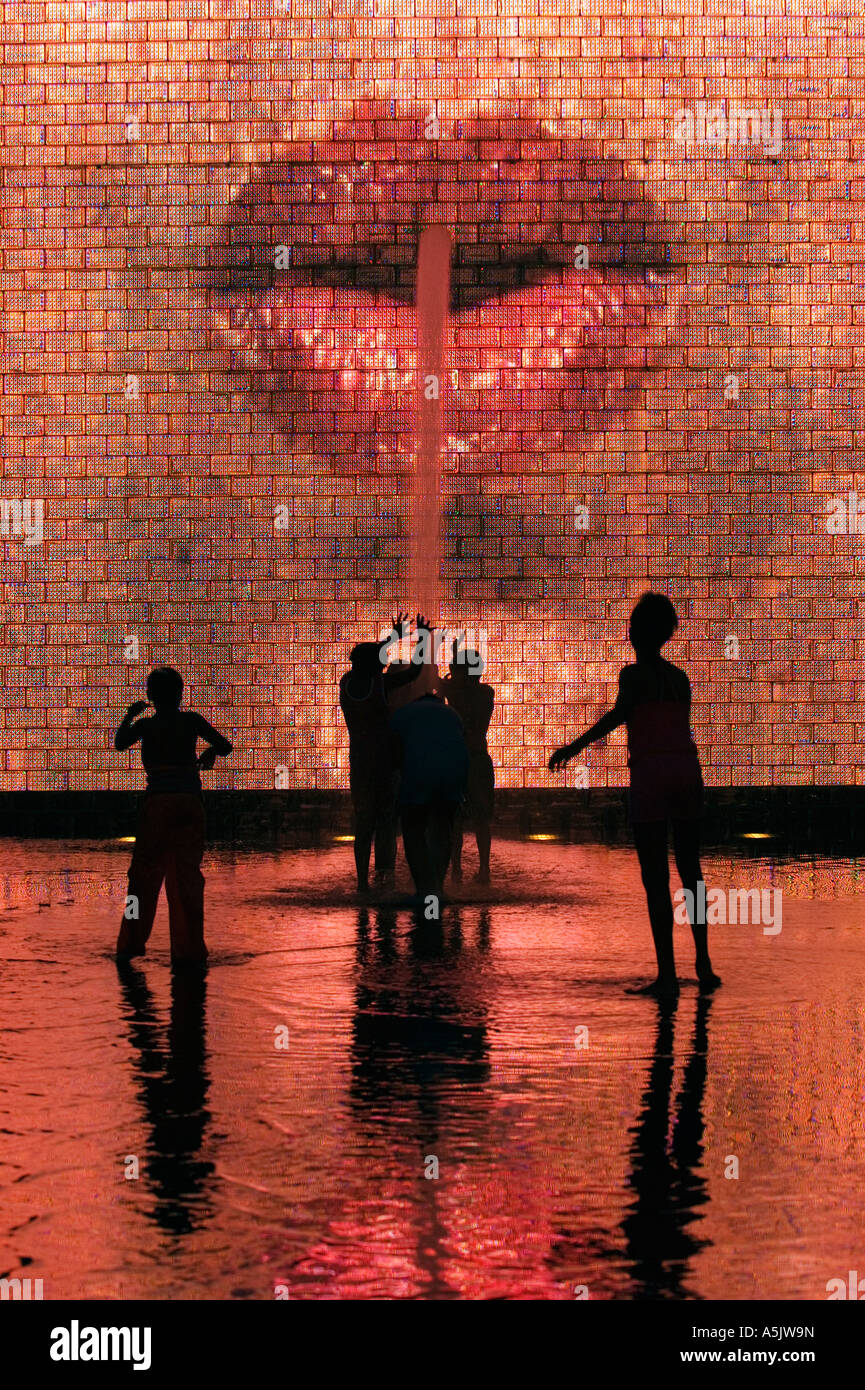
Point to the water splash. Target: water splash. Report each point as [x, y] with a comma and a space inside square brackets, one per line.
[433, 294]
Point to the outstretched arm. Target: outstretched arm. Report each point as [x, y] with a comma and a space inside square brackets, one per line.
[428, 636]
[129, 733]
[399, 632]
[603, 726]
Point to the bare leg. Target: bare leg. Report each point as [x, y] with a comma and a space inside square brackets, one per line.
[650, 839]
[362, 848]
[385, 829]
[686, 847]
[364, 829]
[457, 849]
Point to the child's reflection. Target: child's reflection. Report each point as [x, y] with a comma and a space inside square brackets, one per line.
[173, 1083]
[664, 1169]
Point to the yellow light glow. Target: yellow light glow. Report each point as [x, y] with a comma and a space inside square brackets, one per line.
[125, 840]
[343, 839]
[542, 837]
[757, 835]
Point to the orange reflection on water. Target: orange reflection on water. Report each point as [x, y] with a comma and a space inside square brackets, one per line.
[285, 1111]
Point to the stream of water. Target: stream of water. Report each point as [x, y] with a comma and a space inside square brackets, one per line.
[433, 295]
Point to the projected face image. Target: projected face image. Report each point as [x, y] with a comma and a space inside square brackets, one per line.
[650, 349]
[314, 282]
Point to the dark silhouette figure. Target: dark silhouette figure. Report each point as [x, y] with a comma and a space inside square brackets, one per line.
[654, 700]
[430, 750]
[668, 1189]
[169, 841]
[473, 702]
[372, 776]
[172, 1077]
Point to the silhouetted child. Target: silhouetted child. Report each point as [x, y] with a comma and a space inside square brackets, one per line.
[169, 841]
[372, 776]
[431, 753]
[654, 700]
[473, 702]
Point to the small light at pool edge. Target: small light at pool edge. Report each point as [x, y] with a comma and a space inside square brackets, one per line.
[125, 840]
[543, 838]
[757, 835]
[343, 839]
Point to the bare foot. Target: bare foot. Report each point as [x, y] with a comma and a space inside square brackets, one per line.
[708, 981]
[656, 989]
[482, 876]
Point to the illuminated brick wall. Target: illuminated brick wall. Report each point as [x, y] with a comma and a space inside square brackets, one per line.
[653, 369]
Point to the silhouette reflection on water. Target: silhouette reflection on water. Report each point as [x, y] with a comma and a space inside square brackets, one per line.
[664, 1167]
[416, 1032]
[419, 1063]
[318, 1150]
[172, 1081]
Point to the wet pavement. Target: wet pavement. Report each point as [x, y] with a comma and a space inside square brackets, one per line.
[353, 1102]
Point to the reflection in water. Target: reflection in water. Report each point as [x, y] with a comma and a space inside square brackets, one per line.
[410, 1039]
[172, 1084]
[420, 1062]
[664, 1168]
[413, 1037]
